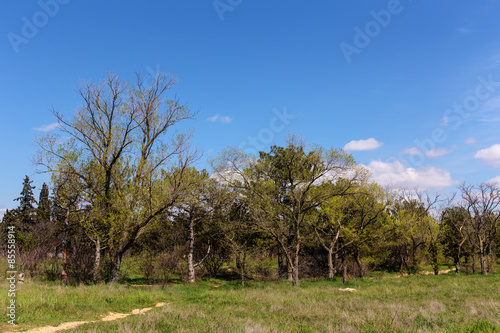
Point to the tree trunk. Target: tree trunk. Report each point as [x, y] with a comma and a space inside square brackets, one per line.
[191, 273]
[97, 261]
[117, 262]
[457, 260]
[295, 278]
[331, 269]
[473, 263]
[242, 268]
[344, 269]
[64, 275]
[295, 270]
[358, 262]
[336, 259]
[484, 270]
[289, 270]
[281, 267]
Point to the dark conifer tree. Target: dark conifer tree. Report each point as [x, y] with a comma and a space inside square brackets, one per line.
[44, 205]
[26, 212]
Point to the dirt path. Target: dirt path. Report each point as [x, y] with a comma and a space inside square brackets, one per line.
[109, 317]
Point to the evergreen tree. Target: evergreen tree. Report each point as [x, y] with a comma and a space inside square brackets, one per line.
[8, 217]
[44, 205]
[25, 213]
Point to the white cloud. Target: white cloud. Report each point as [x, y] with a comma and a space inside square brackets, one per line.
[219, 118]
[490, 155]
[438, 152]
[369, 144]
[411, 151]
[2, 213]
[495, 181]
[398, 175]
[429, 153]
[47, 128]
[470, 140]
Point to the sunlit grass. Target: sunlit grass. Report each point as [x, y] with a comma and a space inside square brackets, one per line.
[446, 303]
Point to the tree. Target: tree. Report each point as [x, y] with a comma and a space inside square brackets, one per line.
[284, 186]
[482, 202]
[411, 228]
[344, 221]
[119, 146]
[240, 232]
[44, 204]
[26, 212]
[24, 216]
[68, 201]
[453, 229]
[193, 210]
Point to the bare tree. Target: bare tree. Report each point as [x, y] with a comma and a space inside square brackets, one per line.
[116, 144]
[482, 203]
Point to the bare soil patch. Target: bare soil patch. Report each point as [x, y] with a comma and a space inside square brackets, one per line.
[109, 317]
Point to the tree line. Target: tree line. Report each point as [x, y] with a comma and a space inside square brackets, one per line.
[124, 183]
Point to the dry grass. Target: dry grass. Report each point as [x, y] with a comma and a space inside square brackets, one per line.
[410, 304]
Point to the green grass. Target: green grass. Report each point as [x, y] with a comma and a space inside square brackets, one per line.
[444, 303]
[40, 304]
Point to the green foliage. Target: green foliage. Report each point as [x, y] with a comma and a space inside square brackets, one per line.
[26, 211]
[44, 211]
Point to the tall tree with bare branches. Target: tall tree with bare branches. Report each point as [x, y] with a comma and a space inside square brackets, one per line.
[120, 145]
[482, 202]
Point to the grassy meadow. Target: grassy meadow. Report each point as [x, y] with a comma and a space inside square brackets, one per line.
[423, 303]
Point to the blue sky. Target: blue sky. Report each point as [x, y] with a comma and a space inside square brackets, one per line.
[411, 88]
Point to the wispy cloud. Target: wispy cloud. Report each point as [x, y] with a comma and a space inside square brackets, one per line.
[47, 128]
[470, 140]
[432, 153]
[411, 151]
[220, 119]
[490, 110]
[495, 181]
[490, 155]
[368, 144]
